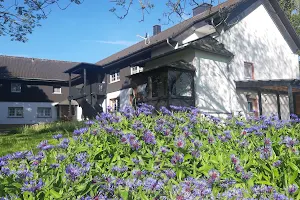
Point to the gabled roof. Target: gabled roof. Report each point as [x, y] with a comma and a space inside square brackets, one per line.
[181, 27]
[169, 33]
[12, 67]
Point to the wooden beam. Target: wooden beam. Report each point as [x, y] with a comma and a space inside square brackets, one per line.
[149, 87]
[260, 103]
[278, 106]
[70, 100]
[291, 99]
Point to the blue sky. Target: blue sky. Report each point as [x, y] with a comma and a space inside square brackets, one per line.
[84, 33]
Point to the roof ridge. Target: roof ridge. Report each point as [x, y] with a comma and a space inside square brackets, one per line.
[40, 59]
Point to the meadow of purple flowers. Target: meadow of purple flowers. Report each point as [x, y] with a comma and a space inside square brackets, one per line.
[172, 154]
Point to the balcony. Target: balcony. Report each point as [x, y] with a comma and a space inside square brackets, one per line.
[98, 89]
[95, 89]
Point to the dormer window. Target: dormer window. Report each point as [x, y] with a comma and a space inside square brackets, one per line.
[56, 90]
[136, 69]
[16, 87]
[115, 77]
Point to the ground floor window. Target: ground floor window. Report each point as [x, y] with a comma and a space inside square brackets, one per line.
[250, 106]
[43, 112]
[115, 104]
[15, 112]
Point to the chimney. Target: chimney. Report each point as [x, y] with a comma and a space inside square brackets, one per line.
[201, 8]
[156, 29]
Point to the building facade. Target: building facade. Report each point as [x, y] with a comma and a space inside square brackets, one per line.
[34, 91]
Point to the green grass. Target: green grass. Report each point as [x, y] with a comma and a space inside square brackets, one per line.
[28, 137]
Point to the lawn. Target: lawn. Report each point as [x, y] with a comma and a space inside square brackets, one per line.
[28, 137]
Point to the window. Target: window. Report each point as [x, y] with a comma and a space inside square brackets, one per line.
[44, 112]
[16, 87]
[180, 83]
[115, 104]
[159, 85]
[15, 112]
[250, 106]
[114, 77]
[56, 90]
[248, 70]
[136, 69]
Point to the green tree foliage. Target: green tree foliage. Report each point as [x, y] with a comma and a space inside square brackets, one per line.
[291, 9]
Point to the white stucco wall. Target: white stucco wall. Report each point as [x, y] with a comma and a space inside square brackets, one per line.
[124, 97]
[29, 112]
[259, 43]
[212, 83]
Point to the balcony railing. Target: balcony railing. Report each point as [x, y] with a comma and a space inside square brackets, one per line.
[95, 89]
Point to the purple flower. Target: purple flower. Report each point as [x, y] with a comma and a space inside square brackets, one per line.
[267, 142]
[80, 131]
[289, 142]
[227, 135]
[277, 163]
[239, 123]
[211, 139]
[32, 186]
[197, 143]
[135, 144]
[43, 144]
[278, 196]
[3, 163]
[234, 159]
[137, 125]
[61, 157]
[89, 123]
[246, 175]
[238, 168]
[47, 147]
[164, 150]
[214, 175]
[149, 137]
[5, 170]
[73, 171]
[152, 184]
[244, 143]
[119, 169]
[266, 152]
[180, 142]
[177, 158]
[138, 173]
[167, 132]
[81, 158]
[227, 183]
[135, 160]
[58, 136]
[292, 188]
[170, 173]
[195, 153]
[54, 165]
[24, 174]
[165, 111]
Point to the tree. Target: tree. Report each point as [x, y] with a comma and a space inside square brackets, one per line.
[18, 18]
[292, 11]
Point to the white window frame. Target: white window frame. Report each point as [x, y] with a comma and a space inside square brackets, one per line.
[115, 77]
[44, 113]
[114, 102]
[56, 87]
[15, 112]
[136, 69]
[248, 66]
[16, 87]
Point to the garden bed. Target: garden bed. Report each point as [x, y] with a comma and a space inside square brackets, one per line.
[178, 154]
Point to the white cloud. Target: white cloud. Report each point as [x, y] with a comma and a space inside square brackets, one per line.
[117, 42]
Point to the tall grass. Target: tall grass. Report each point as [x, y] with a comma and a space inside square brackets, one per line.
[27, 137]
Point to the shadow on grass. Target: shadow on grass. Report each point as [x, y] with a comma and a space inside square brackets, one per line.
[28, 137]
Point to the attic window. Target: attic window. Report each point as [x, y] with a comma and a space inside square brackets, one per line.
[56, 90]
[248, 70]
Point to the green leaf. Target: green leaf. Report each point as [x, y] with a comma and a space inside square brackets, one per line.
[294, 167]
[55, 194]
[124, 194]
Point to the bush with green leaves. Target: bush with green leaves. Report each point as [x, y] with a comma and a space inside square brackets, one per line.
[179, 153]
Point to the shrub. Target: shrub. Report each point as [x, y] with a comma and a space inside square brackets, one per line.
[175, 154]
